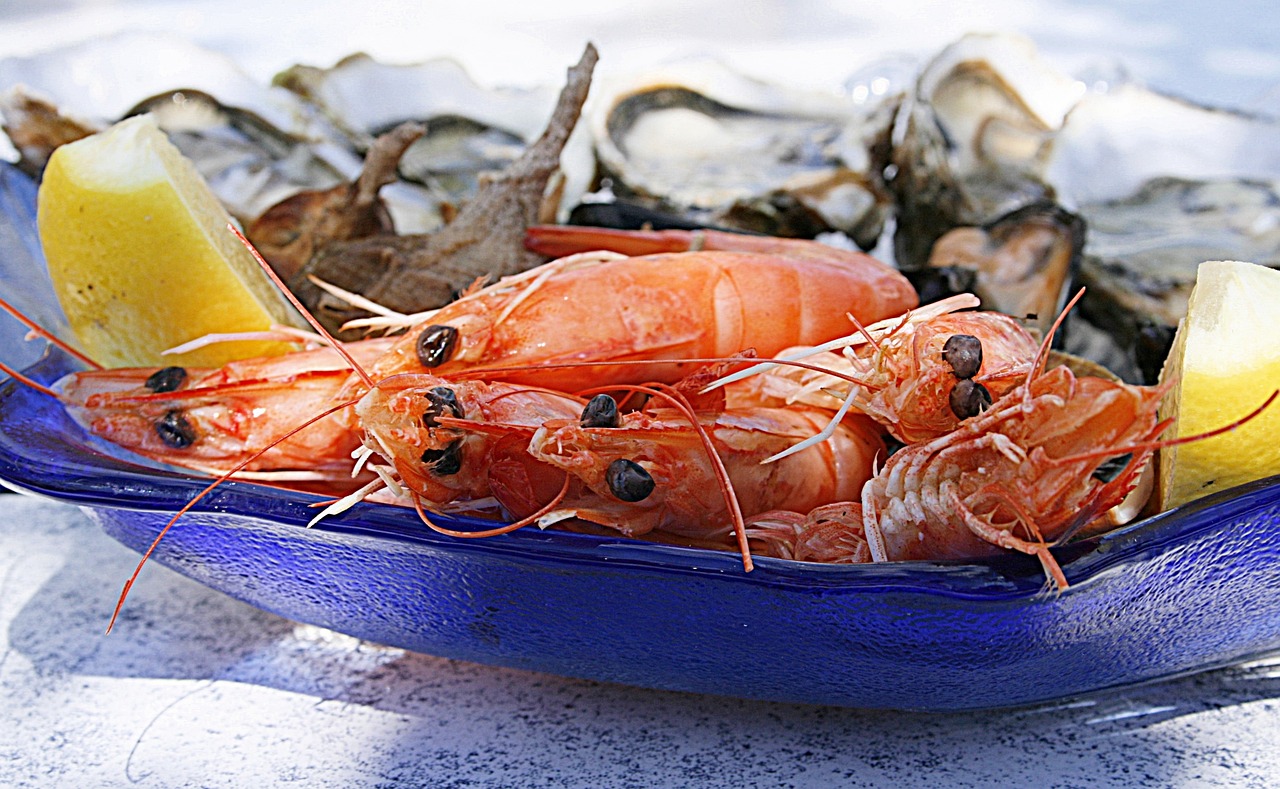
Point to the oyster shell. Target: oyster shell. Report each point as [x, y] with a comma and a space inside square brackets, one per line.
[254, 144]
[972, 140]
[471, 130]
[700, 140]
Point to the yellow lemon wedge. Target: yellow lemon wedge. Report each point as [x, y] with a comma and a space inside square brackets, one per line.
[141, 257]
[1225, 362]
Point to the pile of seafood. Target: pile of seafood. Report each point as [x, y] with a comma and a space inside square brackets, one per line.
[699, 370]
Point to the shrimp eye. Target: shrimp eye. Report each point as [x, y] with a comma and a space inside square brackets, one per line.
[166, 380]
[1110, 468]
[969, 399]
[601, 411]
[441, 399]
[628, 480]
[175, 431]
[444, 462]
[435, 344]
[964, 353]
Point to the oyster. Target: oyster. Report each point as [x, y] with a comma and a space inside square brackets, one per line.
[1143, 251]
[253, 144]
[702, 141]
[248, 163]
[469, 130]
[972, 140]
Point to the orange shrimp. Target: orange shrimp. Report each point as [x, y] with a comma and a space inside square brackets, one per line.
[650, 471]
[1045, 460]
[443, 437]
[920, 374]
[659, 308]
[212, 420]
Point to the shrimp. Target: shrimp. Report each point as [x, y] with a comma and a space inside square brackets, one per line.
[548, 326]
[443, 438]
[1046, 459]
[212, 420]
[651, 470]
[920, 374]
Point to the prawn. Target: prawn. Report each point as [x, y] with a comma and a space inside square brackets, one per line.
[215, 420]
[443, 439]
[1046, 460]
[919, 374]
[658, 469]
[546, 326]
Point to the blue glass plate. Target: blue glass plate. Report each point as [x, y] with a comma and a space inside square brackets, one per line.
[1192, 589]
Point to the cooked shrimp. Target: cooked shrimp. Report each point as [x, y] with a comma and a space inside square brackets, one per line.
[651, 471]
[920, 374]
[212, 420]
[1045, 460]
[445, 439]
[605, 308]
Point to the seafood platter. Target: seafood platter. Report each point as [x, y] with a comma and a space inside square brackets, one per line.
[675, 379]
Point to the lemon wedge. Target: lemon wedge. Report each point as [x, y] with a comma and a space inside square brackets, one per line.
[141, 257]
[1225, 363]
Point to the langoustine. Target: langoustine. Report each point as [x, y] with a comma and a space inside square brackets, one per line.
[1045, 460]
[919, 374]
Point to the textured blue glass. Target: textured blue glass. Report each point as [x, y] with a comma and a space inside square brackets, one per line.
[1191, 589]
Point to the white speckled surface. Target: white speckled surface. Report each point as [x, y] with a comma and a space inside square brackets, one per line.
[196, 689]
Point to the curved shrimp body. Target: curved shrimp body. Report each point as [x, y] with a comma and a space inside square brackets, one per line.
[653, 472]
[654, 308]
[213, 420]
[444, 438]
[1047, 459]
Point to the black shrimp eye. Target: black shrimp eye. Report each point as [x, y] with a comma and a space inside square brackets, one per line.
[969, 399]
[964, 353]
[1110, 468]
[601, 411]
[175, 431]
[628, 480]
[444, 462]
[441, 399]
[435, 344]
[166, 380]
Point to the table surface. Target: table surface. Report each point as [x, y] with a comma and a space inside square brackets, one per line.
[199, 689]
[202, 690]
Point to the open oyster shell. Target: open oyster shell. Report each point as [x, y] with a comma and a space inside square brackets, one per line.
[471, 130]
[700, 140]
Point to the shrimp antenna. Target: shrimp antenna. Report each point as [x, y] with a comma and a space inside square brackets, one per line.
[46, 334]
[39, 387]
[494, 532]
[311, 319]
[124, 593]
[1111, 452]
[1042, 356]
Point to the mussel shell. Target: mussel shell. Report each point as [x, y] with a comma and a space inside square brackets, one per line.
[1023, 263]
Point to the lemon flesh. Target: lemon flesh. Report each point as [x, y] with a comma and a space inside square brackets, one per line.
[1225, 363]
[140, 255]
